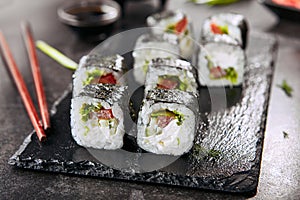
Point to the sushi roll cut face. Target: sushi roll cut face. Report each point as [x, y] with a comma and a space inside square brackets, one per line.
[175, 23]
[96, 124]
[166, 128]
[228, 28]
[95, 75]
[170, 78]
[149, 47]
[221, 64]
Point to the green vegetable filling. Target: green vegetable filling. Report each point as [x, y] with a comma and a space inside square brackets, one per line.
[178, 116]
[210, 63]
[92, 75]
[170, 28]
[230, 72]
[145, 66]
[87, 130]
[86, 110]
[172, 80]
[231, 75]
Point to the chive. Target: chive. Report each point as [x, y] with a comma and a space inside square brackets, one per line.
[213, 2]
[56, 55]
[220, 2]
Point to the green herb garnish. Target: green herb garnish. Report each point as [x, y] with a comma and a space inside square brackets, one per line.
[286, 88]
[92, 75]
[231, 75]
[86, 109]
[285, 134]
[214, 153]
[201, 152]
[178, 141]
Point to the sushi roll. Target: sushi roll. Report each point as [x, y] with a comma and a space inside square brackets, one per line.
[228, 28]
[177, 23]
[166, 123]
[97, 118]
[152, 46]
[221, 64]
[94, 69]
[171, 74]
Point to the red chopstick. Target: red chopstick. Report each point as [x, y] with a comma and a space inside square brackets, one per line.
[37, 77]
[19, 81]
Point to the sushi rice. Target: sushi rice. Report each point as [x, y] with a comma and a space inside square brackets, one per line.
[175, 138]
[221, 64]
[89, 130]
[149, 47]
[228, 28]
[165, 77]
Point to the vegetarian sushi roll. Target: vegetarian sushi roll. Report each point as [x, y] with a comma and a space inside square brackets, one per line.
[166, 123]
[171, 74]
[228, 28]
[152, 46]
[97, 118]
[221, 64]
[177, 23]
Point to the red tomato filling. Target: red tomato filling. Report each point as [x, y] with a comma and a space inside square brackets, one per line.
[215, 29]
[163, 121]
[167, 84]
[217, 72]
[105, 114]
[181, 25]
[108, 79]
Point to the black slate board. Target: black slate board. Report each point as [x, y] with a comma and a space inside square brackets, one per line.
[236, 133]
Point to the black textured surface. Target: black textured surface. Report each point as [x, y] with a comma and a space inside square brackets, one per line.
[236, 132]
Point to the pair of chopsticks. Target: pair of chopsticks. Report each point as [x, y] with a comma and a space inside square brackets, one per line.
[40, 127]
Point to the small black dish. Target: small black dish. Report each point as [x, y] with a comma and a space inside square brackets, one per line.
[90, 18]
[286, 12]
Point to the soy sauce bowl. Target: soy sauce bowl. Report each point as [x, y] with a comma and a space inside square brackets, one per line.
[90, 17]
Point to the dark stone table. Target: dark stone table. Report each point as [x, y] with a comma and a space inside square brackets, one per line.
[280, 167]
